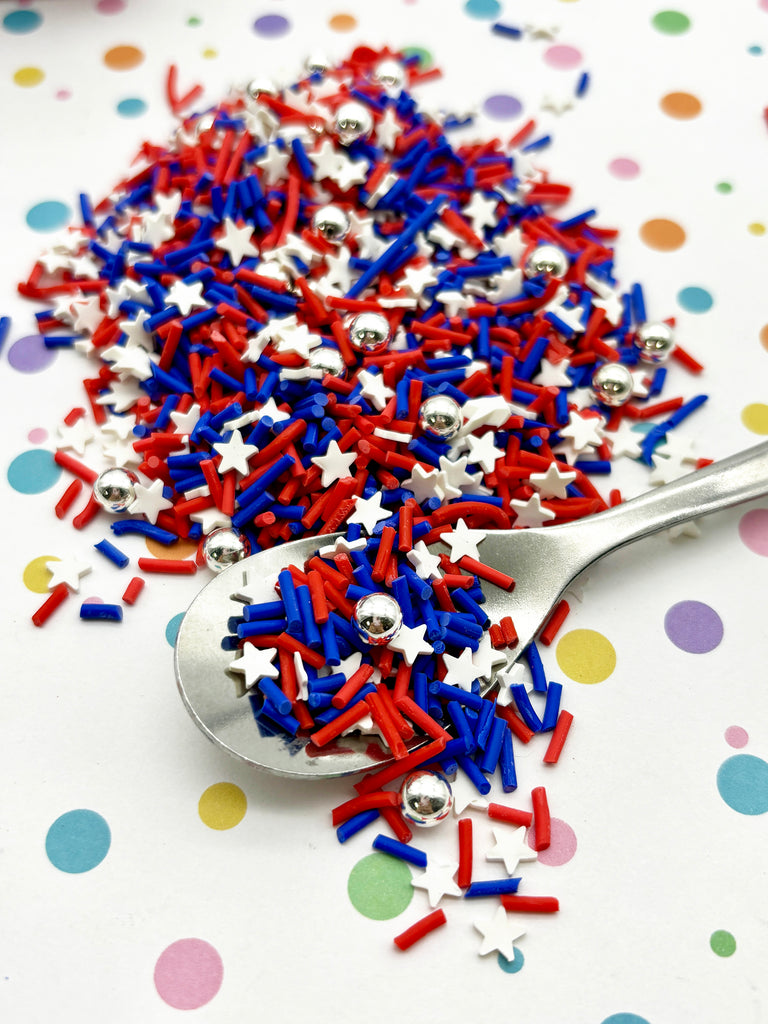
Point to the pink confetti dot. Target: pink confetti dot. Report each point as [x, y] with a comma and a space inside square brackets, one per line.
[63, 94]
[110, 6]
[753, 530]
[624, 167]
[37, 435]
[763, 5]
[188, 974]
[562, 847]
[562, 57]
[735, 736]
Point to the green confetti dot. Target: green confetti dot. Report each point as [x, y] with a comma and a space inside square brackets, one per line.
[724, 187]
[722, 943]
[194, 21]
[426, 60]
[380, 886]
[672, 23]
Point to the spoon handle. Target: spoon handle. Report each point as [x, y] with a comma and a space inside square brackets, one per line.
[738, 478]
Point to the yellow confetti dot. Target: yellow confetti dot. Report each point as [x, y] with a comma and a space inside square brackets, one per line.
[755, 417]
[756, 228]
[28, 77]
[35, 576]
[222, 806]
[209, 53]
[586, 656]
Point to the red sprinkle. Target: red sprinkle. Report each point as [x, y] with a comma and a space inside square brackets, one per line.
[173, 566]
[49, 606]
[559, 735]
[464, 876]
[132, 591]
[423, 927]
[542, 824]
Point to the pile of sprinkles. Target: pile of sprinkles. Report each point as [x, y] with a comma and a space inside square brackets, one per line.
[311, 313]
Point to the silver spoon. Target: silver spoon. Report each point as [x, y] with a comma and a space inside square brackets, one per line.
[543, 562]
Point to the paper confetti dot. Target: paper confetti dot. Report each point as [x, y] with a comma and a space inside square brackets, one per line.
[694, 299]
[624, 1018]
[29, 354]
[78, 841]
[755, 417]
[33, 472]
[342, 22]
[380, 887]
[222, 806]
[511, 966]
[194, 22]
[21, 22]
[209, 53]
[756, 228]
[763, 335]
[737, 737]
[755, 50]
[562, 57]
[753, 530]
[132, 106]
[426, 60]
[37, 435]
[624, 167]
[722, 943]
[693, 627]
[180, 549]
[36, 576]
[502, 106]
[482, 8]
[672, 23]
[123, 58]
[28, 77]
[172, 629]
[742, 782]
[188, 974]
[110, 6]
[562, 847]
[586, 656]
[271, 26]
[662, 234]
[48, 215]
[724, 187]
[681, 105]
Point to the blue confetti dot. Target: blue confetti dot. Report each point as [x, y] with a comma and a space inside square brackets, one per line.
[695, 300]
[625, 1018]
[78, 841]
[755, 51]
[482, 8]
[22, 21]
[132, 106]
[172, 629]
[33, 472]
[48, 215]
[742, 782]
[511, 966]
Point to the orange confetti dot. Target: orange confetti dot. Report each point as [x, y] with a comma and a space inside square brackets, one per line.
[178, 550]
[343, 22]
[764, 336]
[660, 233]
[123, 58]
[681, 105]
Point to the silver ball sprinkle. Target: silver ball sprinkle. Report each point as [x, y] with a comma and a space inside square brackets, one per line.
[612, 384]
[224, 547]
[547, 259]
[353, 121]
[115, 490]
[370, 332]
[332, 223]
[425, 798]
[317, 63]
[260, 85]
[441, 416]
[327, 359]
[655, 342]
[377, 618]
[390, 74]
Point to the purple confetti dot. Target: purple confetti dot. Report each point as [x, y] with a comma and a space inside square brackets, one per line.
[735, 736]
[693, 627]
[271, 25]
[29, 355]
[502, 106]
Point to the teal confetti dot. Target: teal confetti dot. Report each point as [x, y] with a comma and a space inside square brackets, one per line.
[755, 51]
[21, 22]
[514, 965]
[742, 782]
[78, 841]
[482, 8]
[33, 472]
[50, 215]
[172, 629]
[625, 1018]
[132, 106]
[695, 300]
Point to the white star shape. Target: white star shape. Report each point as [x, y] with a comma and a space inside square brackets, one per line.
[553, 374]
[185, 421]
[557, 104]
[120, 427]
[481, 210]
[149, 500]
[274, 164]
[234, 453]
[625, 441]
[130, 360]
[121, 395]
[156, 229]
[424, 484]
[335, 464]
[506, 285]
[516, 674]
[553, 483]
[512, 244]
[410, 643]
[348, 172]
[86, 314]
[66, 570]
[666, 470]
[530, 513]
[121, 452]
[511, 848]
[85, 267]
[298, 339]
[486, 658]
[455, 475]
[186, 297]
[271, 410]
[483, 452]
[487, 410]
[463, 541]
[461, 671]
[325, 159]
[210, 519]
[465, 795]
[499, 932]
[339, 272]
[426, 564]
[368, 512]
[255, 663]
[584, 431]
[135, 332]
[236, 241]
[418, 279]
[75, 437]
[388, 129]
[438, 881]
[374, 389]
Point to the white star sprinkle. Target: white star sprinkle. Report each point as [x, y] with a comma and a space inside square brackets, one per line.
[368, 512]
[335, 464]
[463, 541]
[410, 643]
[186, 297]
[66, 570]
[438, 881]
[511, 848]
[374, 389]
[426, 564]
[75, 437]
[255, 663]
[237, 241]
[530, 513]
[553, 483]
[149, 500]
[424, 484]
[235, 453]
[499, 932]
[483, 452]
[465, 795]
[461, 671]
